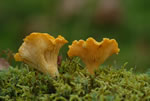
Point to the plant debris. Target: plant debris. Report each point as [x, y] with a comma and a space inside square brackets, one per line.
[3, 64]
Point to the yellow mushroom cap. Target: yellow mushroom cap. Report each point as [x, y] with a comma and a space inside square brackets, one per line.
[40, 50]
[93, 53]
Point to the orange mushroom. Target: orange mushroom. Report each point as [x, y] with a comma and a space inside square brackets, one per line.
[40, 50]
[93, 53]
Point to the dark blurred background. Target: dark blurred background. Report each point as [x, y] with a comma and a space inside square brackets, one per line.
[128, 21]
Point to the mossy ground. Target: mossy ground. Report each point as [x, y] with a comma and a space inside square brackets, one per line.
[74, 84]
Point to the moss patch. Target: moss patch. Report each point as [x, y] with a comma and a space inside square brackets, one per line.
[74, 84]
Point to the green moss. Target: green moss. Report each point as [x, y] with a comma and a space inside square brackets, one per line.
[74, 84]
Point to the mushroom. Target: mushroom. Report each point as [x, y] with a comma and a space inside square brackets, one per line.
[40, 50]
[93, 53]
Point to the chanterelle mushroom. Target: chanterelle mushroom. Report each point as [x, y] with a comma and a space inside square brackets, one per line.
[93, 53]
[40, 50]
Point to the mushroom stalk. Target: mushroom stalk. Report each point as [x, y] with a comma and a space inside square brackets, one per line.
[91, 68]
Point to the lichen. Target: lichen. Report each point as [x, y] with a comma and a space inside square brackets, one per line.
[74, 83]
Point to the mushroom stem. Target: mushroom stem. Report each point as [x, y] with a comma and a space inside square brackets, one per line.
[53, 70]
[91, 68]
